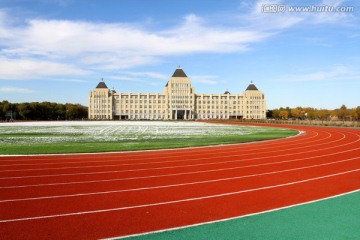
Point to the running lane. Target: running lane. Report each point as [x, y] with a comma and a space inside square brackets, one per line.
[91, 196]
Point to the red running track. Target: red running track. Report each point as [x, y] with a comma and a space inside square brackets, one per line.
[91, 196]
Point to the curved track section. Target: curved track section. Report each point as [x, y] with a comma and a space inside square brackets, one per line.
[91, 196]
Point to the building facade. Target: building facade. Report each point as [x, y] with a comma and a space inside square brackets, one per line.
[178, 102]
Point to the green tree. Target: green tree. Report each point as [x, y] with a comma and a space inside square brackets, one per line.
[275, 113]
[4, 108]
[42, 111]
[24, 110]
[60, 111]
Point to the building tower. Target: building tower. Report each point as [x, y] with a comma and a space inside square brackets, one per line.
[100, 102]
[180, 96]
[255, 104]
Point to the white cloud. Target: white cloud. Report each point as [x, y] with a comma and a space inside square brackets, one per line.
[149, 74]
[205, 79]
[73, 80]
[332, 17]
[192, 36]
[142, 77]
[4, 30]
[125, 78]
[270, 21]
[118, 45]
[335, 73]
[267, 21]
[15, 90]
[41, 47]
[72, 38]
[20, 69]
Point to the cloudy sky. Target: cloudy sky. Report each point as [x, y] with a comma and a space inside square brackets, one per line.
[58, 50]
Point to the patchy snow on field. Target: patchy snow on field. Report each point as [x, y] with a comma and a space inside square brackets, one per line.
[113, 131]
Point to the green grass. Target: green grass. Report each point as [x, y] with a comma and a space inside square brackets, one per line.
[133, 145]
[336, 218]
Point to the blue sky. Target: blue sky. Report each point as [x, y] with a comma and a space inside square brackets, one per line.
[58, 50]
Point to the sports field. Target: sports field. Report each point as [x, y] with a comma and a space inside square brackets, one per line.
[105, 136]
[302, 187]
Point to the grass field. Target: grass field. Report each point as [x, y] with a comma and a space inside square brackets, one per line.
[76, 137]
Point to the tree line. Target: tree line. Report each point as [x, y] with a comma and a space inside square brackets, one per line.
[41, 111]
[68, 111]
[343, 113]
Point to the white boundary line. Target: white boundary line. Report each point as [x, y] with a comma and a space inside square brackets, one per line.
[171, 161]
[174, 201]
[164, 150]
[176, 185]
[300, 132]
[225, 194]
[181, 173]
[181, 166]
[233, 218]
[200, 151]
[159, 157]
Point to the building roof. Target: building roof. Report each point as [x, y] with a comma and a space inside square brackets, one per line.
[251, 87]
[101, 84]
[179, 73]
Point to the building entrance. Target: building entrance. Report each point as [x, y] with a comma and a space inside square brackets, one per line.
[181, 114]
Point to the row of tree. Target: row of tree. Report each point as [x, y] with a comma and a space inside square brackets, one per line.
[41, 111]
[68, 111]
[343, 113]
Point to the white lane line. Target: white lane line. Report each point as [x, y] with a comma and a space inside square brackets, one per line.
[181, 166]
[232, 218]
[161, 151]
[166, 152]
[176, 201]
[182, 160]
[175, 185]
[149, 158]
[218, 155]
[176, 174]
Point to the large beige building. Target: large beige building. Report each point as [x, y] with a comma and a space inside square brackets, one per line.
[178, 101]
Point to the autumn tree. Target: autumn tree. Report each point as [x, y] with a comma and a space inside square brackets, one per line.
[358, 112]
[284, 114]
[311, 114]
[342, 113]
[297, 113]
[323, 114]
[355, 113]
